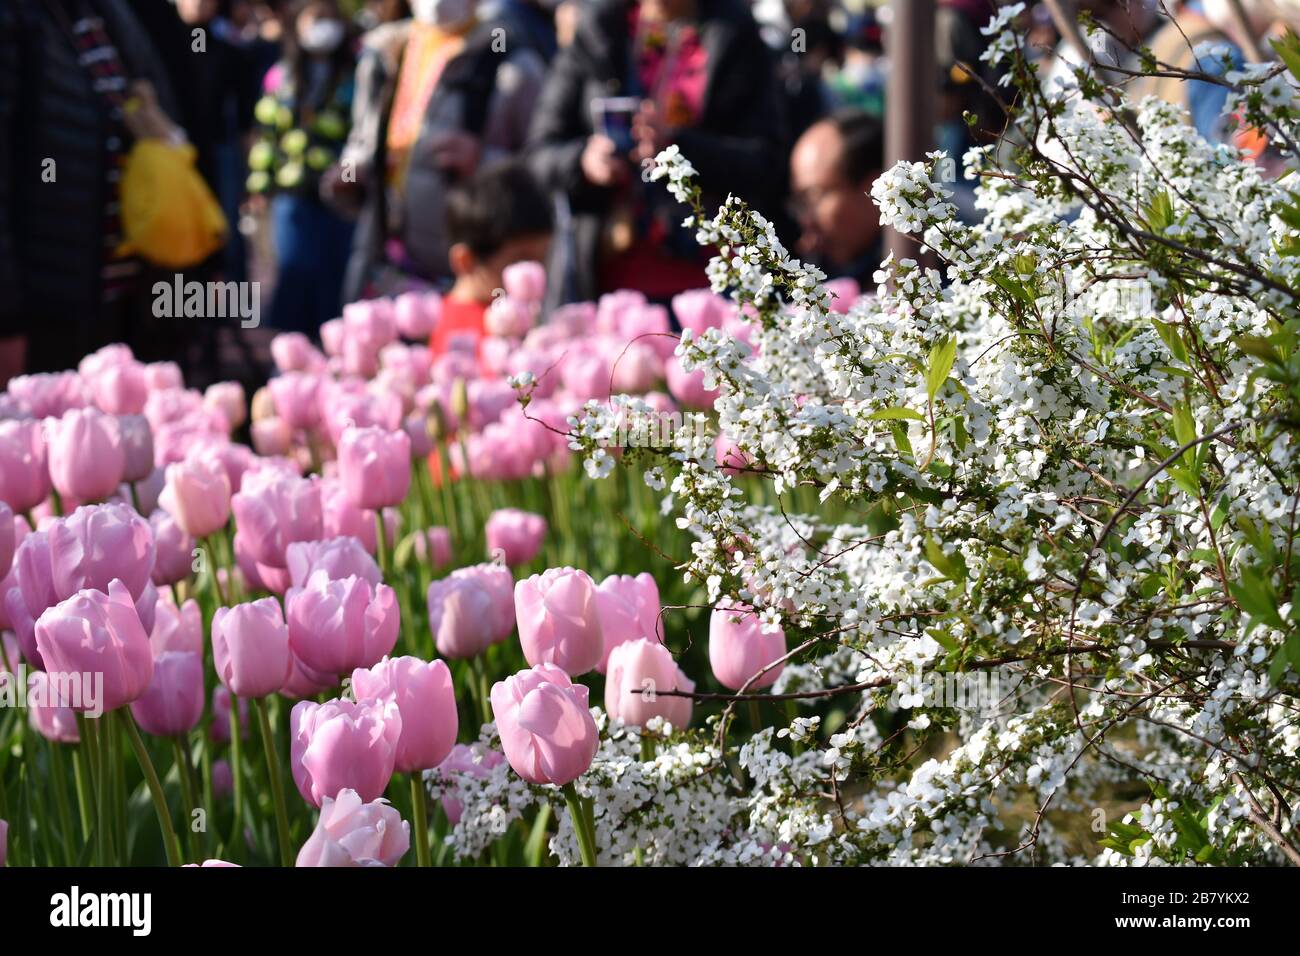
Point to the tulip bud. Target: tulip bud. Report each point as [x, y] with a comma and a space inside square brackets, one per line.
[343, 745]
[558, 621]
[353, 833]
[375, 466]
[546, 727]
[250, 648]
[516, 534]
[86, 454]
[173, 703]
[739, 648]
[197, 495]
[93, 635]
[425, 700]
[639, 671]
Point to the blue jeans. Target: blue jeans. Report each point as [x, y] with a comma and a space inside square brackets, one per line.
[312, 245]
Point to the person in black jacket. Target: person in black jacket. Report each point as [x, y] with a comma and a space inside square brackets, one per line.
[66, 69]
[640, 75]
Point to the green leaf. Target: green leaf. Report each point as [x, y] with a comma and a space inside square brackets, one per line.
[899, 431]
[1288, 48]
[951, 566]
[1161, 214]
[1173, 341]
[890, 414]
[1184, 424]
[942, 356]
[1259, 347]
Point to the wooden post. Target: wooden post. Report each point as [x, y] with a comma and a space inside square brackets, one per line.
[909, 95]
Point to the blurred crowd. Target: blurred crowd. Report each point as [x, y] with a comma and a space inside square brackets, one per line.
[371, 148]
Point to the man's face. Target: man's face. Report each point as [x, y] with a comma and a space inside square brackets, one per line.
[838, 221]
[196, 11]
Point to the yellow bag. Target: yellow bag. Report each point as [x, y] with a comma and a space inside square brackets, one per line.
[169, 216]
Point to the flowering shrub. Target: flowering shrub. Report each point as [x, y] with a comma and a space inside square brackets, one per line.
[1067, 459]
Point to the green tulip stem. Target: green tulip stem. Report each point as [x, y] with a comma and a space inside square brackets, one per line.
[170, 842]
[420, 820]
[582, 825]
[277, 783]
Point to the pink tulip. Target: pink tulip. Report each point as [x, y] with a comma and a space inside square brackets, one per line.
[341, 518]
[370, 323]
[173, 550]
[159, 376]
[558, 620]
[739, 648]
[258, 577]
[546, 727]
[49, 394]
[173, 703]
[500, 583]
[94, 545]
[274, 509]
[211, 864]
[24, 472]
[434, 546]
[468, 761]
[844, 292]
[417, 313]
[250, 648]
[354, 833]
[9, 580]
[635, 368]
[229, 399]
[137, 447]
[525, 281]
[339, 558]
[688, 387]
[517, 535]
[730, 456]
[638, 671]
[177, 629]
[46, 710]
[117, 385]
[375, 466]
[342, 745]
[293, 352]
[338, 626]
[331, 337]
[93, 633]
[87, 458]
[197, 495]
[271, 436]
[700, 309]
[304, 682]
[462, 616]
[587, 375]
[425, 700]
[294, 395]
[508, 318]
[629, 609]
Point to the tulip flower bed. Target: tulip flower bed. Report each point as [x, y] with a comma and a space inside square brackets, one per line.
[283, 651]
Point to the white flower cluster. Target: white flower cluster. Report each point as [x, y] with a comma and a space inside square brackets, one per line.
[1069, 458]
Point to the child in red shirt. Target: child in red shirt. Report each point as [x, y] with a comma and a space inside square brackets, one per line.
[496, 218]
